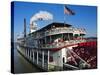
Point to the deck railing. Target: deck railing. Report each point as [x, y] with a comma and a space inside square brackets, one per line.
[62, 44]
[55, 44]
[61, 30]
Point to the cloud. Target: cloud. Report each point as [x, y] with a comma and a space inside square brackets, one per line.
[41, 15]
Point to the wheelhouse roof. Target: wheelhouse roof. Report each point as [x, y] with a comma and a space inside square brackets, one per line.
[54, 24]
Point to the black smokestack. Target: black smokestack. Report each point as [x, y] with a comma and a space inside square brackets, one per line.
[24, 27]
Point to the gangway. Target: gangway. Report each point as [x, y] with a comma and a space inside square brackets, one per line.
[70, 66]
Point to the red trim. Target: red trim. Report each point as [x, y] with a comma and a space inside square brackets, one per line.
[79, 44]
[57, 49]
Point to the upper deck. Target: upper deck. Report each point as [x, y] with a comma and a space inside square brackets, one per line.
[55, 36]
[57, 28]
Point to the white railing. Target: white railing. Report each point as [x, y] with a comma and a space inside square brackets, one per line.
[58, 30]
[61, 30]
[62, 44]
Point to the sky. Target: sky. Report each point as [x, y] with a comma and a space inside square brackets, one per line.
[85, 16]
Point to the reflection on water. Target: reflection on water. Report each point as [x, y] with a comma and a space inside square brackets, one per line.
[21, 65]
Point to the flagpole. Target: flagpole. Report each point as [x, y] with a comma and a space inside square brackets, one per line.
[69, 12]
[64, 15]
[64, 21]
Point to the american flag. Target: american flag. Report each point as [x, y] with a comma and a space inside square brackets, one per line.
[68, 11]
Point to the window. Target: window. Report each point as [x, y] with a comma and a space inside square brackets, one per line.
[51, 59]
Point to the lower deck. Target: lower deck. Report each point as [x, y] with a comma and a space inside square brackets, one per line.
[73, 57]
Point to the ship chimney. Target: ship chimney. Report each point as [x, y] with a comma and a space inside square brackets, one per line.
[24, 27]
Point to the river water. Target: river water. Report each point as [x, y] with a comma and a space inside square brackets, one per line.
[21, 65]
